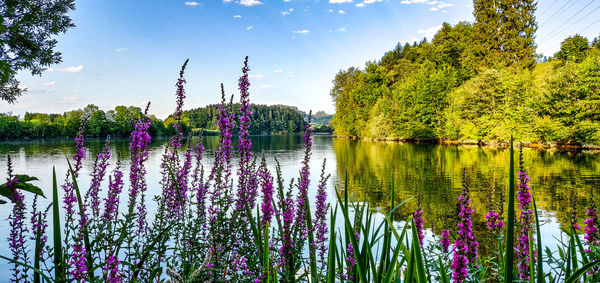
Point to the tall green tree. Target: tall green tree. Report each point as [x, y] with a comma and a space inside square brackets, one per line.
[26, 43]
[574, 48]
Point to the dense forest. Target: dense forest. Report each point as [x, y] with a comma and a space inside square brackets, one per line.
[476, 81]
[266, 119]
[275, 119]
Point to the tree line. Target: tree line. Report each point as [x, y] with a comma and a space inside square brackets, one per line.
[118, 122]
[476, 81]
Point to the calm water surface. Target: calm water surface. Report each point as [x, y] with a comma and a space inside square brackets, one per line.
[434, 171]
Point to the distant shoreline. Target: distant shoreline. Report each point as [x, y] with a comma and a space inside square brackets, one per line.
[488, 144]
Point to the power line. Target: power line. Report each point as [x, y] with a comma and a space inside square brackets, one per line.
[564, 26]
[549, 7]
[597, 21]
[559, 10]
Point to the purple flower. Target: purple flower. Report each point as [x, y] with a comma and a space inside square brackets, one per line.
[320, 224]
[287, 243]
[198, 182]
[115, 186]
[111, 270]
[592, 237]
[445, 240]
[350, 260]
[465, 246]
[418, 218]
[266, 183]
[525, 220]
[92, 196]
[18, 229]
[77, 260]
[304, 181]
[180, 93]
[138, 148]
[494, 220]
[39, 223]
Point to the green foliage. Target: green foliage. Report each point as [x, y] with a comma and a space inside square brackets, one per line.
[573, 48]
[27, 39]
[266, 119]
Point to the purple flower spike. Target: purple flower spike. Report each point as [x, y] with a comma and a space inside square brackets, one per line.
[320, 224]
[111, 269]
[465, 247]
[115, 186]
[18, 229]
[180, 93]
[77, 260]
[525, 220]
[418, 218]
[304, 180]
[92, 196]
[445, 240]
[246, 194]
[138, 148]
[266, 183]
[592, 237]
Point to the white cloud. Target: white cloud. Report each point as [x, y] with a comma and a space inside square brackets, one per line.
[266, 86]
[339, 1]
[249, 27]
[367, 2]
[121, 49]
[436, 5]
[330, 10]
[429, 32]
[226, 1]
[191, 3]
[74, 69]
[257, 76]
[237, 17]
[249, 3]
[341, 12]
[342, 29]
[302, 31]
[49, 83]
[285, 13]
[278, 71]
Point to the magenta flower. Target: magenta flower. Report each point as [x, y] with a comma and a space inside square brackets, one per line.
[111, 270]
[180, 94]
[246, 192]
[320, 224]
[304, 181]
[525, 220]
[92, 197]
[77, 260]
[18, 229]
[445, 240]
[465, 246]
[115, 186]
[138, 148]
[266, 183]
[418, 218]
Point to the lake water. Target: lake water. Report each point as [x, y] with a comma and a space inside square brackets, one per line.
[434, 171]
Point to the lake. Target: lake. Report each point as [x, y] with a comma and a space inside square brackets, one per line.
[434, 171]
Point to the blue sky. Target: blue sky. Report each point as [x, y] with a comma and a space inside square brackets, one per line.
[127, 52]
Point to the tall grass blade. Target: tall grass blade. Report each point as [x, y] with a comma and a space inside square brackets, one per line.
[579, 272]
[38, 251]
[332, 248]
[59, 263]
[311, 242]
[510, 227]
[37, 271]
[539, 269]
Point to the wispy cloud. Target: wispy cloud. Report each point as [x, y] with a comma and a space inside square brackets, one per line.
[237, 17]
[191, 3]
[342, 29]
[339, 1]
[49, 83]
[289, 11]
[249, 3]
[249, 27]
[121, 49]
[73, 69]
[302, 31]
[266, 86]
[429, 32]
[330, 10]
[278, 71]
[341, 12]
[436, 5]
[367, 2]
[256, 76]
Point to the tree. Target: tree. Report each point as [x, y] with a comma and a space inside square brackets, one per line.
[573, 48]
[506, 30]
[26, 30]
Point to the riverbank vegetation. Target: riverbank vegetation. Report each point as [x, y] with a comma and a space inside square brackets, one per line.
[476, 81]
[258, 227]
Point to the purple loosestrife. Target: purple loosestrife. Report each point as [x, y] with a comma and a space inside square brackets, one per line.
[304, 181]
[115, 186]
[198, 181]
[592, 236]
[138, 148]
[77, 260]
[350, 261]
[445, 241]
[246, 197]
[39, 223]
[494, 220]
[69, 200]
[92, 196]
[18, 229]
[180, 93]
[111, 270]
[287, 242]
[525, 220]
[266, 184]
[418, 217]
[465, 247]
[320, 224]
